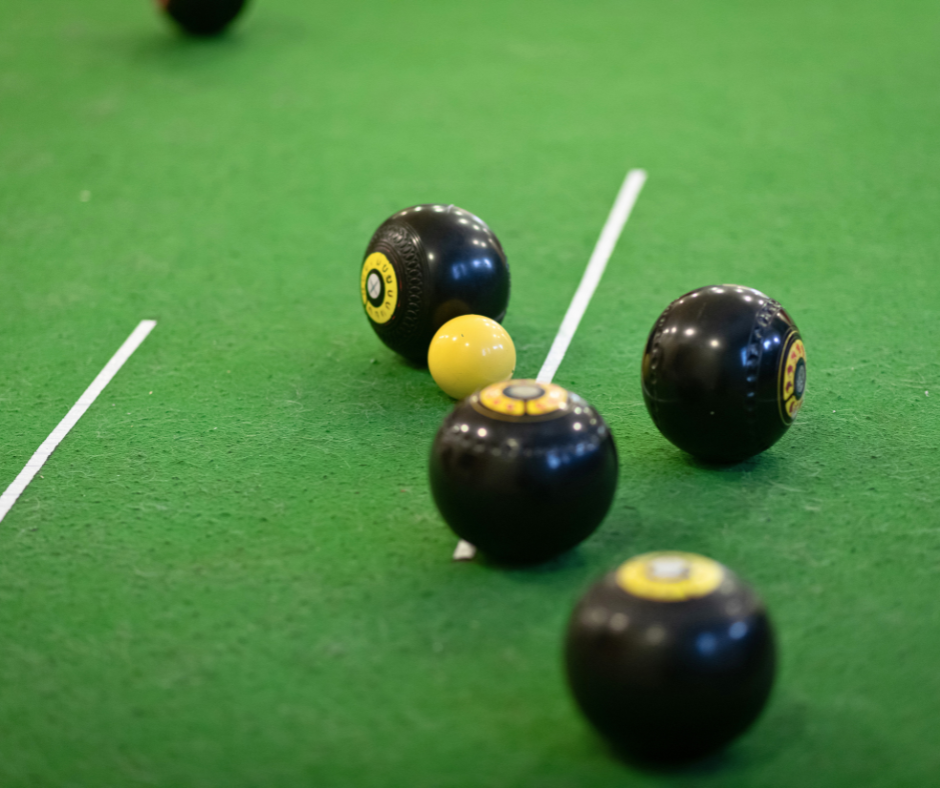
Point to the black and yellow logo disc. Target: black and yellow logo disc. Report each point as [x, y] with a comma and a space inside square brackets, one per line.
[521, 398]
[379, 286]
[791, 377]
[670, 576]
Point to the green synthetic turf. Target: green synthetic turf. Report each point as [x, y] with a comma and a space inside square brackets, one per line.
[231, 572]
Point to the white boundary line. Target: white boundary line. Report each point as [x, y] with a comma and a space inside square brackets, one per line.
[623, 205]
[21, 482]
[604, 248]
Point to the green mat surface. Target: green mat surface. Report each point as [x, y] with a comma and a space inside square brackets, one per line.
[231, 572]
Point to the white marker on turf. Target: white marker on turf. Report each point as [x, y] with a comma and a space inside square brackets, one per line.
[21, 482]
[603, 249]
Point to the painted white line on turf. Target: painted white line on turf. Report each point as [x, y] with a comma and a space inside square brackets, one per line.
[606, 243]
[604, 248]
[21, 482]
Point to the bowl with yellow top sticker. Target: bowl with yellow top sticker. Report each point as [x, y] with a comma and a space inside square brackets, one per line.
[523, 470]
[671, 656]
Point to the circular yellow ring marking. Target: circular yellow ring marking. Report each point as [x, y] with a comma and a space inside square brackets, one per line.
[670, 576]
[379, 287]
[792, 377]
[499, 400]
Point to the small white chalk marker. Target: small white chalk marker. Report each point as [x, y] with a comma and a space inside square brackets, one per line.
[464, 551]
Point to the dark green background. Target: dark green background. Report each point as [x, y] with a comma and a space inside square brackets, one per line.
[231, 572]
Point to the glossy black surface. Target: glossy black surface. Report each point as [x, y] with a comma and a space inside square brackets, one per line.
[449, 263]
[524, 491]
[203, 17]
[711, 370]
[669, 682]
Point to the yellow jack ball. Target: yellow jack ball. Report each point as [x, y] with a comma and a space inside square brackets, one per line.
[470, 352]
